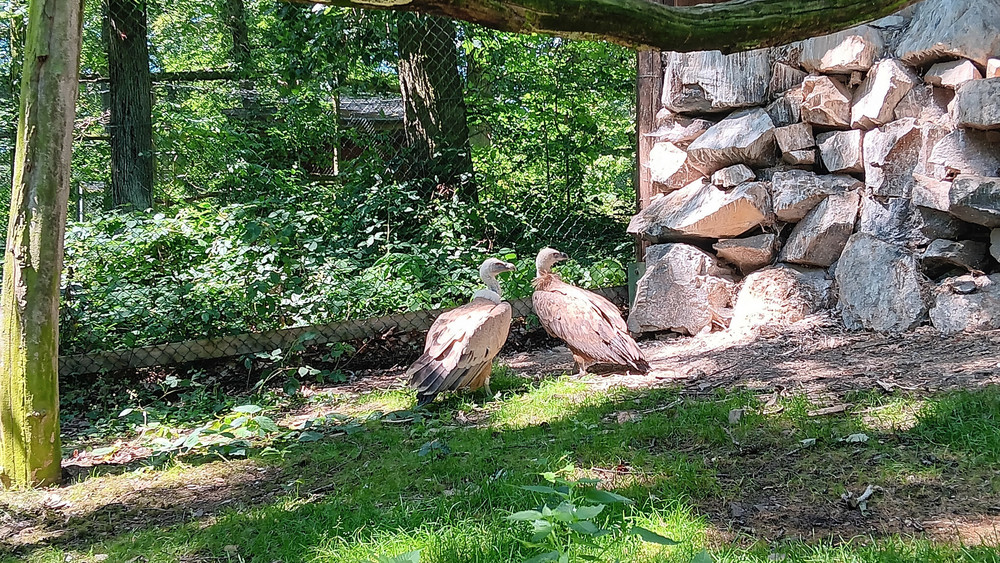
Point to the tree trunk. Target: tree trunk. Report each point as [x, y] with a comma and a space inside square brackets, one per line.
[738, 25]
[15, 43]
[437, 129]
[29, 303]
[234, 15]
[131, 106]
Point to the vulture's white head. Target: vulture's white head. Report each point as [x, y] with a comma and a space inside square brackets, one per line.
[547, 257]
[488, 272]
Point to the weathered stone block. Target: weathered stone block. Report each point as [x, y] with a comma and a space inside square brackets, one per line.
[956, 309]
[670, 168]
[952, 74]
[745, 137]
[898, 221]
[975, 199]
[842, 52]
[821, 235]
[963, 151]
[945, 29]
[678, 129]
[977, 104]
[731, 176]
[787, 108]
[841, 151]
[925, 103]
[748, 254]
[683, 290]
[779, 296]
[880, 286]
[891, 155]
[796, 192]
[794, 137]
[708, 81]
[701, 211]
[783, 78]
[826, 102]
[800, 157]
[943, 253]
[886, 84]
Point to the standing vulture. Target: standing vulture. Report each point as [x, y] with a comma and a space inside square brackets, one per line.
[590, 325]
[462, 342]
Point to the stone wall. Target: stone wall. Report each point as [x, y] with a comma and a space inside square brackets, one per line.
[858, 171]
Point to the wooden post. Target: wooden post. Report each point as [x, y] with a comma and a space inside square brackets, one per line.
[649, 84]
[29, 304]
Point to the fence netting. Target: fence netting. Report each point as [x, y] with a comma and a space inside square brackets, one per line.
[250, 172]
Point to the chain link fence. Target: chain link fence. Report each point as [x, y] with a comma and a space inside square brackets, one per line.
[249, 176]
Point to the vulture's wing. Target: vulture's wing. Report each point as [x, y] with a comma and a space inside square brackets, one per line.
[459, 344]
[587, 323]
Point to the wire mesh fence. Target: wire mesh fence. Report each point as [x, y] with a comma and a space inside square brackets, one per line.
[247, 173]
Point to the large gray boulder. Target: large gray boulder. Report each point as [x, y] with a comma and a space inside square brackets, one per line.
[796, 192]
[947, 29]
[745, 137]
[967, 303]
[977, 104]
[892, 153]
[778, 296]
[880, 287]
[925, 103]
[683, 290]
[708, 81]
[975, 199]
[701, 211]
[850, 50]
[786, 109]
[748, 254]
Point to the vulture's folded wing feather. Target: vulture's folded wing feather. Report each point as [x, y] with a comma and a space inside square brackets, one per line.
[458, 344]
[588, 323]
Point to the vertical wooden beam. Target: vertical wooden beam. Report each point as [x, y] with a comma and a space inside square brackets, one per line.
[649, 84]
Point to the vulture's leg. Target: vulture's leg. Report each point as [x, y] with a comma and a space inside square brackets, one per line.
[489, 392]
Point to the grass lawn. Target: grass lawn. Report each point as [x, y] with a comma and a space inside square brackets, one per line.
[741, 476]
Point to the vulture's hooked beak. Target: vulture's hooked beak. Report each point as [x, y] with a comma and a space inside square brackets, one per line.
[508, 267]
[562, 256]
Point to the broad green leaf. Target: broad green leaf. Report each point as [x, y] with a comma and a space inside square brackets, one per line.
[525, 516]
[703, 557]
[605, 497]
[541, 529]
[538, 489]
[266, 424]
[247, 409]
[310, 436]
[564, 512]
[651, 536]
[588, 512]
[584, 527]
[549, 476]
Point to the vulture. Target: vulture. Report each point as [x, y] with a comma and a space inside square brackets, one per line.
[590, 325]
[462, 342]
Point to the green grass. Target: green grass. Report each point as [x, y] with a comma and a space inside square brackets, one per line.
[354, 497]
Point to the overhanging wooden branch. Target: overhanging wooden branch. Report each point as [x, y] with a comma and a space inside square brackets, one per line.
[737, 25]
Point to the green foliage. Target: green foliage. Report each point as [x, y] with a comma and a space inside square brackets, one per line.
[565, 531]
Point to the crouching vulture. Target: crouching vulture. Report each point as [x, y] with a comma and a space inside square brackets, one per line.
[462, 342]
[590, 325]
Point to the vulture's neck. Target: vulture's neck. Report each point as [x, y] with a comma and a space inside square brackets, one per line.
[492, 291]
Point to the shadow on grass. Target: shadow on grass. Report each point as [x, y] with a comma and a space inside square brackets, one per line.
[348, 498]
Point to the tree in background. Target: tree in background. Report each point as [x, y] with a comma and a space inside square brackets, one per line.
[435, 121]
[29, 303]
[131, 105]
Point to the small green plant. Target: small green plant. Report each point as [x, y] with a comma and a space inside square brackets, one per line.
[569, 530]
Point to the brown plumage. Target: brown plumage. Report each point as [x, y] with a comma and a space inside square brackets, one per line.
[590, 325]
[462, 342]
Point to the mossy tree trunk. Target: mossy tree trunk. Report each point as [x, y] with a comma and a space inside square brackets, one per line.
[131, 96]
[732, 26]
[29, 303]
